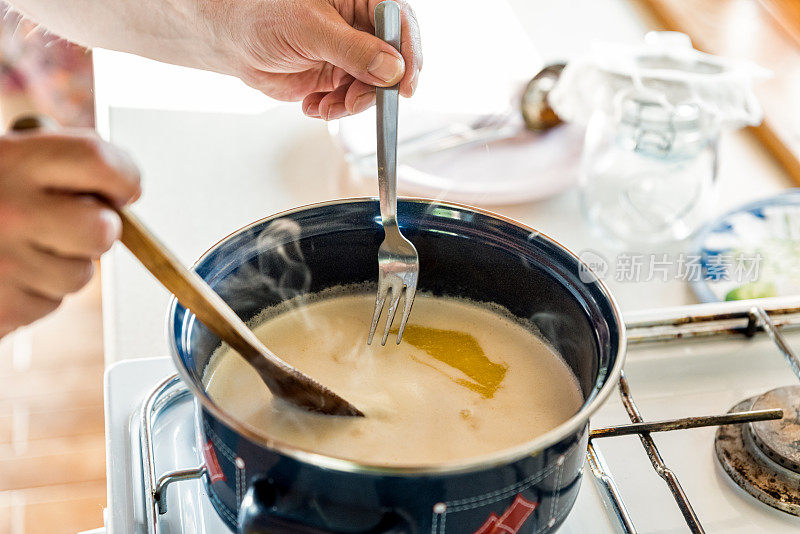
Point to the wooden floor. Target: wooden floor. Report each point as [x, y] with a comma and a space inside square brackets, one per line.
[52, 456]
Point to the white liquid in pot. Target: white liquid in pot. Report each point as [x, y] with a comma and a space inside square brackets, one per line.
[465, 381]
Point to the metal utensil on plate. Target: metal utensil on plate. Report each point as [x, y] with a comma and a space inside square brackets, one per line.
[536, 113]
[398, 262]
[283, 380]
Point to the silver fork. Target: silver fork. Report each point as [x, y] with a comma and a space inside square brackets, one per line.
[398, 262]
[484, 127]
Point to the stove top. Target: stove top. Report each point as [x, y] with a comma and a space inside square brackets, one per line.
[668, 380]
[128, 383]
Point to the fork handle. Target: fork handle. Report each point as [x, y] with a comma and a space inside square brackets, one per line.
[387, 27]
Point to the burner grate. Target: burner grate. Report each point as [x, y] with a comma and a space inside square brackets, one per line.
[163, 396]
[713, 320]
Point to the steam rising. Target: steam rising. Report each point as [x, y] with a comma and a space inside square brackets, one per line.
[278, 271]
[556, 329]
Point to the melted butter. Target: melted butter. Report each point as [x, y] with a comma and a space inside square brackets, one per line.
[460, 351]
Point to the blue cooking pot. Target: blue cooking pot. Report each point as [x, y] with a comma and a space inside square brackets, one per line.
[259, 485]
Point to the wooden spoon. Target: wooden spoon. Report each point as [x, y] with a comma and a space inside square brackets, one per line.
[194, 293]
[283, 380]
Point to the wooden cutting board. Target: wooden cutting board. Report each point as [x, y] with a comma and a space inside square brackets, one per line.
[764, 31]
[786, 14]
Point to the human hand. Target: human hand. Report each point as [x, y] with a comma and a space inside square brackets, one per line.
[52, 223]
[322, 52]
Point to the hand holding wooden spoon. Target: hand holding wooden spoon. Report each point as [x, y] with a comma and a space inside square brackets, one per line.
[195, 294]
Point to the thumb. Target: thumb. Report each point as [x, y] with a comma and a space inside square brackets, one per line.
[360, 54]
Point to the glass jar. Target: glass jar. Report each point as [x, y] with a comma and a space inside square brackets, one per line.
[649, 169]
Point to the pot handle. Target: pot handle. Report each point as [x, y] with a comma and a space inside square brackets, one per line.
[258, 515]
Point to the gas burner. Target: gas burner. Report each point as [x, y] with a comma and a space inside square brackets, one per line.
[763, 458]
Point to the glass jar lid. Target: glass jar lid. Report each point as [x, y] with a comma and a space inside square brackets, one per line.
[654, 115]
[675, 83]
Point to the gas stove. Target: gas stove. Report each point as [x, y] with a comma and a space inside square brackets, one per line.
[682, 363]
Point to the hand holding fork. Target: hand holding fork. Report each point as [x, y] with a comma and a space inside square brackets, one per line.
[398, 262]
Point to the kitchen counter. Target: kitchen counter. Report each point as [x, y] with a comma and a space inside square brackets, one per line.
[217, 155]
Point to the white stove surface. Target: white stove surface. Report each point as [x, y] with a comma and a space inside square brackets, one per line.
[127, 383]
[668, 380]
[684, 379]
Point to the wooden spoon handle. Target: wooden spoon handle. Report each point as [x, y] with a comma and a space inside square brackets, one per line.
[191, 290]
[196, 295]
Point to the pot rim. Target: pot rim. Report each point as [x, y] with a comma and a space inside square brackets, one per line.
[571, 426]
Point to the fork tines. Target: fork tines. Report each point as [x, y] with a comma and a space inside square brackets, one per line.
[394, 284]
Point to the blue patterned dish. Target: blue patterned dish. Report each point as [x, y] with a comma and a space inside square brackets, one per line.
[751, 252]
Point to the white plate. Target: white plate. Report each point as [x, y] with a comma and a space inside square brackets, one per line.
[528, 166]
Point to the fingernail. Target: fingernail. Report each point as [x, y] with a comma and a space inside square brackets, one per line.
[336, 111]
[414, 81]
[386, 67]
[363, 102]
[312, 110]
